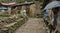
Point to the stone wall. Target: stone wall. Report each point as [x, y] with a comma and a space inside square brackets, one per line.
[10, 24]
[32, 9]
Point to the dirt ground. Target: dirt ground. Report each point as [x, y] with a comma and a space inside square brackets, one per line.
[33, 25]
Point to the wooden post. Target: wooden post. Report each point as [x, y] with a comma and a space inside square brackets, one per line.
[9, 10]
[32, 10]
[23, 8]
[16, 10]
[2, 11]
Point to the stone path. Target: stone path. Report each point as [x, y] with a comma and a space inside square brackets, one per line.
[33, 25]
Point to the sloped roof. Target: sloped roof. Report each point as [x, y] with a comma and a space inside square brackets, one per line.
[26, 3]
[14, 3]
[52, 5]
[9, 3]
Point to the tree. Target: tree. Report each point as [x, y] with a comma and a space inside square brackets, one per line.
[45, 2]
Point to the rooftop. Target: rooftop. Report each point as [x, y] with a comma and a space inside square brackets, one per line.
[15, 3]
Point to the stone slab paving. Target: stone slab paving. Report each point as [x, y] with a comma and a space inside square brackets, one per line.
[33, 25]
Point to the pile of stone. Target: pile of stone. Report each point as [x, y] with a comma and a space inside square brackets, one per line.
[5, 21]
[10, 23]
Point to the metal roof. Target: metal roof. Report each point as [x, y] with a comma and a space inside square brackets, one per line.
[52, 5]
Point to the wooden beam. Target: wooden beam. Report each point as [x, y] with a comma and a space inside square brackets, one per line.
[9, 10]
